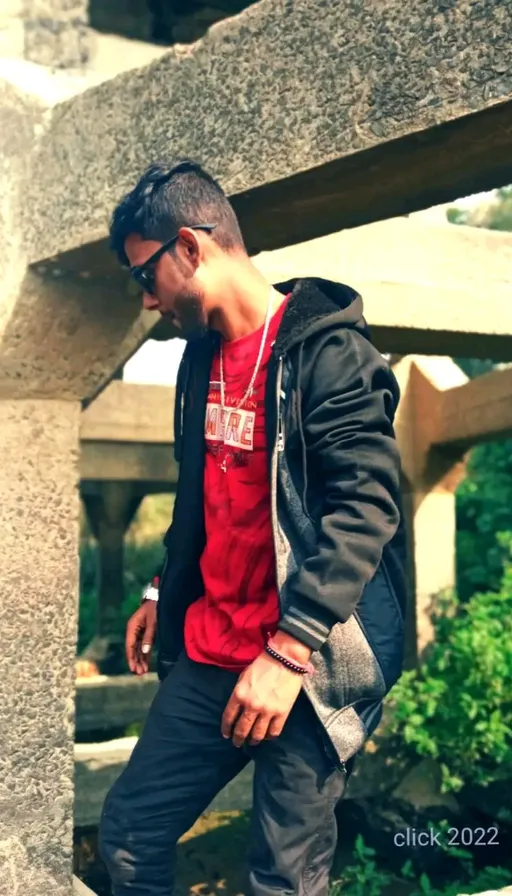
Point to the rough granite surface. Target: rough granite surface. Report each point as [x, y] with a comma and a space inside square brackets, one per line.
[66, 334]
[54, 32]
[62, 331]
[39, 522]
[281, 89]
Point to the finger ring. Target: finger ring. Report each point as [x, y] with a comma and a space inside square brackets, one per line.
[146, 648]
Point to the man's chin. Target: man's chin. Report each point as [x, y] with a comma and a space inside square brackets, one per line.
[190, 331]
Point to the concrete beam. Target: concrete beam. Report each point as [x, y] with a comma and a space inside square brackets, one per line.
[152, 466]
[442, 414]
[62, 332]
[127, 434]
[129, 412]
[104, 703]
[479, 411]
[424, 383]
[422, 284]
[385, 120]
[82, 332]
[431, 474]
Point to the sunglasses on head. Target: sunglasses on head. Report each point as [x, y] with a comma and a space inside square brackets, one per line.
[144, 274]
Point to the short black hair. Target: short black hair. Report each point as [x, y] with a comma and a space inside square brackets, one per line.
[169, 197]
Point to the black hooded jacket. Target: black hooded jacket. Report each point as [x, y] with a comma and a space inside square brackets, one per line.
[334, 474]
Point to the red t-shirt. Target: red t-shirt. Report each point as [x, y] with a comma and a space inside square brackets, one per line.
[227, 626]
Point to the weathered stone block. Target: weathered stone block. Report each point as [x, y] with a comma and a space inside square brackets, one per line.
[104, 703]
[39, 522]
[378, 115]
[58, 43]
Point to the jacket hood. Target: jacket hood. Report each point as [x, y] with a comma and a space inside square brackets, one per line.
[316, 304]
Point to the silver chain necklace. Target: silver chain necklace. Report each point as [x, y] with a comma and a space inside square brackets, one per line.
[248, 391]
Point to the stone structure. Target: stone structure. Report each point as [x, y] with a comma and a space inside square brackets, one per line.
[54, 33]
[339, 111]
[432, 470]
[364, 147]
[423, 284]
[110, 703]
[55, 344]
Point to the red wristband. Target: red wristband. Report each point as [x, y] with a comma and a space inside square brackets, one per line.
[302, 669]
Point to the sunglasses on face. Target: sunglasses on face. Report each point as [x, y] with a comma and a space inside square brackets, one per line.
[144, 274]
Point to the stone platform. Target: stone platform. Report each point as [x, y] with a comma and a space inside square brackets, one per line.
[97, 766]
[105, 703]
[80, 889]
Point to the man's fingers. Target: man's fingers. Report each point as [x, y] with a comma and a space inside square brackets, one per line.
[230, 715]
[140, 636]
[148, 638]
[245, 724]
[146, 641]
[260, 730]
[275, 728]
[131, 644]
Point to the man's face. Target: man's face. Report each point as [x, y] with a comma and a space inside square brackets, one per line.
[177, 293]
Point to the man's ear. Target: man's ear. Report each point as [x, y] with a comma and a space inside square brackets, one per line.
[188, 247]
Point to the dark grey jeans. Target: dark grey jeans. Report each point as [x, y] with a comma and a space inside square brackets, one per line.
[181, 762]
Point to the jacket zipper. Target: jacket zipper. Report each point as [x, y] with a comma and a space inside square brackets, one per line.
[278, 446]
[182, 411]
[182, 400]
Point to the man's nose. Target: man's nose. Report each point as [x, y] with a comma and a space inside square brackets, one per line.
[149, 302]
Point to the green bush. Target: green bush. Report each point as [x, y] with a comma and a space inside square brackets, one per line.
[365, 878]
[142, 561]
[483, 502]
[487, 879]
[457, 706]
[86, 619]
[87, 615]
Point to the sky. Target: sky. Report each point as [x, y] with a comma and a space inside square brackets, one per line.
[156, 363]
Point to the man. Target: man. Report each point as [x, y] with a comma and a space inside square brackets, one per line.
[281, 604]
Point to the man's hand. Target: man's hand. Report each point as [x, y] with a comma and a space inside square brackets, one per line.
[140, 636]
[265, 694]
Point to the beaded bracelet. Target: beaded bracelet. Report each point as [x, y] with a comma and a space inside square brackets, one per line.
[301, 670]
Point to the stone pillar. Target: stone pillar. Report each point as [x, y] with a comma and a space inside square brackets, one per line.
[430, 519]
[110, 510]
[431, 474]
[53, 33]
[62, 335]
[39, 522]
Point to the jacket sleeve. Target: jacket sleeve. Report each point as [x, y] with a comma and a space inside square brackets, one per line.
[347, 408]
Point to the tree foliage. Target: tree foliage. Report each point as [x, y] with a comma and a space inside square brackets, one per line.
[484, 499]
[457, 706]
[495, 214]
